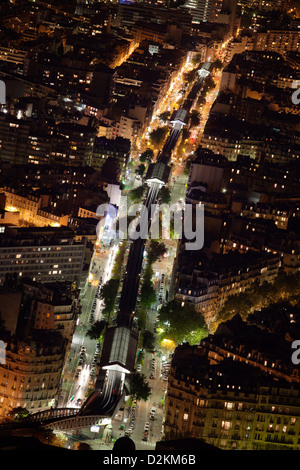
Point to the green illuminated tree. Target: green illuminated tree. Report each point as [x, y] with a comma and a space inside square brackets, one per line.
[196, 60]
[108, 294]
[19, 413]
[182, 323]
[117, 268]
[148, 295]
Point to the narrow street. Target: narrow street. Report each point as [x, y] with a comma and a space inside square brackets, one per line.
[76, 387]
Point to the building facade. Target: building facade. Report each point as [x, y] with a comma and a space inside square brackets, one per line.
[30, 377]
[230, 402]
[41, 254]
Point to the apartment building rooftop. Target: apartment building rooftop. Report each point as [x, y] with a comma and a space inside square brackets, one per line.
[24, 236]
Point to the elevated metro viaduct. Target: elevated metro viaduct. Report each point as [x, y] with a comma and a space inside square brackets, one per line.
[121, 342]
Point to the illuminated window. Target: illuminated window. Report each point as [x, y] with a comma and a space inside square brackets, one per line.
[226, 424]
[229, 405]
[185, 416]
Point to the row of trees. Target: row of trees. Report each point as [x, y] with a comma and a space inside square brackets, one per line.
[139, 388]
[109, 294]
[155, 250]
[284, 288]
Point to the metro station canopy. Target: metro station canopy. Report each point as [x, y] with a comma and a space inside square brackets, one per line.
[158, 173]
[119, 349]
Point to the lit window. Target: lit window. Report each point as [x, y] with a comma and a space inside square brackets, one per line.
[226, 424]
[229, 405]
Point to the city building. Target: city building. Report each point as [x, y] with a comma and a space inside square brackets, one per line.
[209, 284]
[45, 254]
[30, 377]
[235, 390]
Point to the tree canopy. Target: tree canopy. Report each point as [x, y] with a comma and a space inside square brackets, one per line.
[148, 341]
[182, 323]
[158, 135]
[165, 195]
[196, 60]
[165, 116]
[284, 287]
[148, 295]
[117, 268]
[155, 251]
[108, 294]
[95, 330]
[140, 170]
[146, 156]
[139, 388]
[19, 413]
[194, 118]
[136, 194]
[217, 64]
